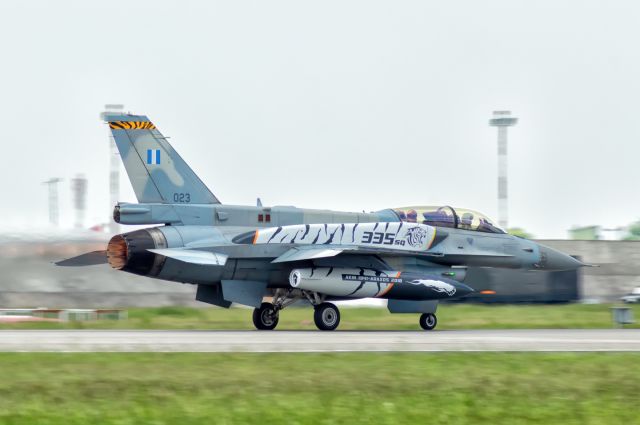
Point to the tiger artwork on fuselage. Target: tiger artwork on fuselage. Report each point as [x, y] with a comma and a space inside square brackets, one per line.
[416, 236]
[436, 285]
[391, 235]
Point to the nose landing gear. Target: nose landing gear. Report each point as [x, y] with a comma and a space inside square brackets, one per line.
[265, 317]
[428, 321]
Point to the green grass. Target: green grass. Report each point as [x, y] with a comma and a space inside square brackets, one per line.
[346, 388]
[450, 316]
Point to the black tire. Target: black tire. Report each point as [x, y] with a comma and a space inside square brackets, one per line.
[326, 316]
[428, 321]
[265, 318]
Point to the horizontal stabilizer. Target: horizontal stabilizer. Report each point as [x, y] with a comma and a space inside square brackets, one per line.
[89, 259]
[297, 254]
[203, 258]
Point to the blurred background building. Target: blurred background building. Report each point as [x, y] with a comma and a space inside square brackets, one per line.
[79, 192]
[29, 278]
[54, 201]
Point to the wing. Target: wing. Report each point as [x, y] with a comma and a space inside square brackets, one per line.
[192, 256]
[308, 253]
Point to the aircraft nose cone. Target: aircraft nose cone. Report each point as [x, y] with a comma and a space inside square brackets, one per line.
[550, 259]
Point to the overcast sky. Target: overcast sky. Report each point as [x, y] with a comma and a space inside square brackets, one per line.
[346, 105]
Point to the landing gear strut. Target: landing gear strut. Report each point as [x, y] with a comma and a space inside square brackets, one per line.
[265, 317]
[326, 316]
[428, 321]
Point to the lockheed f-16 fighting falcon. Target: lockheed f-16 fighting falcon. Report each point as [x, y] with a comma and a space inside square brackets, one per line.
[271, 257]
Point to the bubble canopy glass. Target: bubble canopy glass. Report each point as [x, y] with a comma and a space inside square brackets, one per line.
[458, 218]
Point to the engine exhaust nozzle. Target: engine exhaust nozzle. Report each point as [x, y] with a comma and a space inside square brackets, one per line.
[130, 252]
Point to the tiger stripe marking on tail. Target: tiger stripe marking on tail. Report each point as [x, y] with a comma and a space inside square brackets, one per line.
[132, 125]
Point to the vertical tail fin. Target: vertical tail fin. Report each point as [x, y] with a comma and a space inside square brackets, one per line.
[157, 172]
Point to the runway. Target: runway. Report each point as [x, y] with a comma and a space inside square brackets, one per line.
[316, 341]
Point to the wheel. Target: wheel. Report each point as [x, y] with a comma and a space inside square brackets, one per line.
[326, 316]
[428, 321]
[265, 318]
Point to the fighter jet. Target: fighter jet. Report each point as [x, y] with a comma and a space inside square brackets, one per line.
[271, 257]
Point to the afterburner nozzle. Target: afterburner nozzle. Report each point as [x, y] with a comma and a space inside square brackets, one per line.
[130, 252]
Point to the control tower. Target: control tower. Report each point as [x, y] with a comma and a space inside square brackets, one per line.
[502, 120]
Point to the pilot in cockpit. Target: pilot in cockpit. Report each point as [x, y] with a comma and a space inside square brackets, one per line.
[466, 220]
[412, 216]
[486, 226]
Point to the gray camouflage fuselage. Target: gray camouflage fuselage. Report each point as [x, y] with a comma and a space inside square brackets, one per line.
[213, 227]
[412, 256]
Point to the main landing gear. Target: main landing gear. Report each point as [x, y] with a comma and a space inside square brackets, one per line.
[326, 315]
[266, 317]
[428, 321]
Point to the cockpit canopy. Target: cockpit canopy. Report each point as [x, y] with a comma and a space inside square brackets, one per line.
[457, 218]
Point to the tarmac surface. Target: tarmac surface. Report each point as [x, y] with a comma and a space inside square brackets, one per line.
[317, 341]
